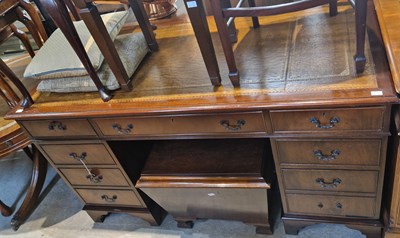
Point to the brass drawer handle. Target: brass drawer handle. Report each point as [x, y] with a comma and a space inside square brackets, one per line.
[332, 184]
[9, 143]
[229, 127]
[53, 125]
[117, 127]
[334, 120]
[93, 176]
[109, 199]
[92, 173]
[78, 157]
[339, 205]
[320, 205]
[332, 156]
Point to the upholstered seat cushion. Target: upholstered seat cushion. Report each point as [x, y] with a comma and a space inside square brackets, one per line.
[131, 48]
[57, 58]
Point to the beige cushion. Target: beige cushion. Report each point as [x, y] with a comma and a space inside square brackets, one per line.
[57, 58]
[131, 48]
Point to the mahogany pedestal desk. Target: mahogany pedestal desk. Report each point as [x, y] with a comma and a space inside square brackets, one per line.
[326, 127]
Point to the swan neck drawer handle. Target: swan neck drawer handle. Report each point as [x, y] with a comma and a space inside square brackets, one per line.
[328, 185]
[229, 127]
[332, 122]
[53, 125]
[334, 154]
[118, 128]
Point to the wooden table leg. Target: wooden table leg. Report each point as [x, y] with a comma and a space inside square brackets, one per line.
[38, 176]
[196, 13]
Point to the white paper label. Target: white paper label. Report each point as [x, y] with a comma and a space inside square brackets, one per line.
[191, 4]
[376, 93]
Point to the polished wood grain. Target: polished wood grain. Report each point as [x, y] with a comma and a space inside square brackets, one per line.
[388, 15]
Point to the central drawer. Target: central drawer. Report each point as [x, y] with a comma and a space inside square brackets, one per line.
[330, 180]
[190, 124]
[103, 177]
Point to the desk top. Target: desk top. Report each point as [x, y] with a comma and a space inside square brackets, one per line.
[388, 14]
[294, 60]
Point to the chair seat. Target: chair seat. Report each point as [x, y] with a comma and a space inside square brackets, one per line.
[132, 48]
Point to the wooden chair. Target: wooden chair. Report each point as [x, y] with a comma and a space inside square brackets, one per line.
[224, 15]
[11, 11]
[12, 137]
[88, 12]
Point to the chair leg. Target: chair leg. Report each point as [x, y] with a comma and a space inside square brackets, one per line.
[256, 23]
[5, 210]
[203, 36]
[225, 41]
[231, 28]
[31, 27]
[28, 7]
[24, 39]
[361, 18]
[38, 176]
[333, 8]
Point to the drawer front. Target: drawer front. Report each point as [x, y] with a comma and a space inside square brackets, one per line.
[194, 124]
[59, 128]
[323, 120]
[330, 180]
[71, 154]
[329, 152]
[332, 205]
[109, 197]
[104, 177]
[204, 202]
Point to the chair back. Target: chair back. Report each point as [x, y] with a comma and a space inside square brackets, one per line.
[58, 11]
